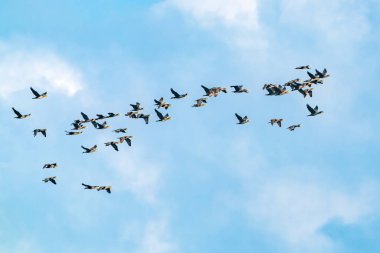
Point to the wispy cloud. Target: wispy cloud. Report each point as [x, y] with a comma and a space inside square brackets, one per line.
[22, 67]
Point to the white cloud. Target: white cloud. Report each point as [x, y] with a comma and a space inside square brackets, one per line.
[209, 13]
[21, 68]
[156, 238]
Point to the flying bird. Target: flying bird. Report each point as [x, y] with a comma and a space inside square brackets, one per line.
[89, 150]
[242, 120]
[177, 95]
[239, 89]
[38, 95]
[293, 127]
[113, 144]
[120, 130]
[200, 102]
[161, 117]
[51, 179]
[275, 121]
[303, 67]
[73, 133]
[50, 166]
[19, 115]
[127, 139]
[100, 126]
[145, 117]
[42, 131]
[161, 103]
[313, 111]
[136, 107]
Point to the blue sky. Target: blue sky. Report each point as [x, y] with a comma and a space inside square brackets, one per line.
[200, 182]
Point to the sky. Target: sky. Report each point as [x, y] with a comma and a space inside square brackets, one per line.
[199, 182]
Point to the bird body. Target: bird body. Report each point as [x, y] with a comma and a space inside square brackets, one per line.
[313, 111]
[242, 120]
[239, 89]
[89, 150]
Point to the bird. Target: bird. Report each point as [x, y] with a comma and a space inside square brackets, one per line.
[145, 117]
[322, 74]
[177, 95]
[200, 102]
[161, 117]
[100, 126]
[38, 95]
[274, 121]
[239, 89]
[136, 107]
[51, 179]
[306, 92]
[241, 119]
[73, 133]
[50, 166]
[120, 130]
[161, 103]
[100, 116]
[19, 115]
[313, 111]
[127, 139]
[111, 114]
[292, 127]
[36, 131]
[89, 150]
[303, 67]
[113, 144]
[77, 125]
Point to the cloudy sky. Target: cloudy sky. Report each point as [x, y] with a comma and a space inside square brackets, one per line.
[199, 183]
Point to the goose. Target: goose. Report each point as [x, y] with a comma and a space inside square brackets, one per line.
[200, 102]
[127, 139]
[293, 127]
[106, 188]
[36, 131]
[89, 150]
[161, 117]
[313, 111]
[177, 95]
[100, 126]
[19, 115]
[145, 117]
[322, 74]
[274, 121]
[77, 125]
[136, 107]
[239, 89]
[111, 114]
[241, 119]
[161, 103]
[51, 179]
[306, 92]
[73, 133]
[113, 144]
[38, 95]
[120, 130]
[50, 166]
[303, 67]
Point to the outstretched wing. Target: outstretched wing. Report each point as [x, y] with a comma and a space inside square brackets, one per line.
[87, 186]
[310, 75]
[174, 92]
[108, 189]
[207, 90]
[85, 117]
[239, 117]
[95, 124]
[44, 132]
[35, 92]
[114, 146]
[159, 114]
[129, 142]
[16, 112]
[311, 110]
[52, 179]
[318, 73]
[87, 149]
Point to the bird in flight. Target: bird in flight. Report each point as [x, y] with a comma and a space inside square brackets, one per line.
[161, 117]
[239, 89]
[275, 121]
[293, 127]
[313, 111]
[242, 120]
[177, 95]
[303, 67]
[19, 115]
[42, 131]
[113, 144]
[38, 95]
[89, 150]
[50, 166]
[51, 179]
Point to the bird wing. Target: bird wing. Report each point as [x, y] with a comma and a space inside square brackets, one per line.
[35, 92]
[87, 149]
[114, 146]
[324, 71]
[16, 112]
[207, 90]
[239, 117]
[129, 142]
[87, 186]
[311, 110]
[35, 132]
[279, 123]
[44, 132]
[310, 75]
[95, 124]
[159, 114]
[93, 148]
[52, 179]
[316, 108]
[146, 119]
[318, 73]
[108, 189]
[85, 117]
[174, 92]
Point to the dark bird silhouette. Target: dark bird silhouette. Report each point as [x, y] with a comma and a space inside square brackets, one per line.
[42, 131]
[86, 118]
[120, 130]
[111, 114]
[127, 139]
[293, 127]
[145, 117]
[322, 74]
[161, 117]
[89, 150]
[73, 133]
[19, 115]
[100, 126]
[313, 111]
[303, 67]
[161, 103]
[90, 187]
[38, 95]
[51, 179]
[242, 120]
[177, 95]
[77, 125]
[239, 89]
[275, 121]
[113, 144]
[50, 166]
[136, 107]
[200, 102]
[306, 92]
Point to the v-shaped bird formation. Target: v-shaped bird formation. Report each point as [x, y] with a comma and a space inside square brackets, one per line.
[303, 87]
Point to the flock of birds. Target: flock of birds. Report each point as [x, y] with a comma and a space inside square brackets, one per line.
[303, 87]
